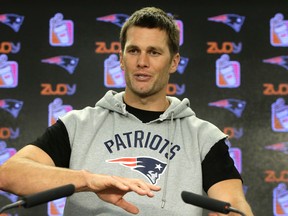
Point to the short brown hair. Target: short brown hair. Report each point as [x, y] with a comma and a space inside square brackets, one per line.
[152, 17]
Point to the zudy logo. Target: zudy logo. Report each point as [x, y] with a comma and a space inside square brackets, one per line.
[59, 89]
[280, 200]
[8, 72]
[61, 32]
[279, 116]
[225, 47]
[57, 109]
[278, 31]
[113, 74]
[7, 47]
[227, 72]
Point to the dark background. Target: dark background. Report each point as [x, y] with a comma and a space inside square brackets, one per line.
[199, 75]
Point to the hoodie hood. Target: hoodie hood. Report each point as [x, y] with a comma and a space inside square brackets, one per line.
[113, 101]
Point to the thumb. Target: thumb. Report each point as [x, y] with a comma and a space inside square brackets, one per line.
[127, 206]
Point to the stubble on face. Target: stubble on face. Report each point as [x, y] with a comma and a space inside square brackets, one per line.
[146, 74]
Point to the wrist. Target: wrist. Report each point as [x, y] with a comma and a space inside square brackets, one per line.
[83, 184]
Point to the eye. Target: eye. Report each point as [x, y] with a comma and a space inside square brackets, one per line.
[154, 53]
[133, 51]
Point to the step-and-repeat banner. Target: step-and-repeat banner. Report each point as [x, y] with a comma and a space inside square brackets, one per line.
[56, 56]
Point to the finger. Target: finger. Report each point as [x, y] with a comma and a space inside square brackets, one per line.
[119, 183]
[141, 188]
[129, 207]
[146, 186]
[136, 185]
[155, 187]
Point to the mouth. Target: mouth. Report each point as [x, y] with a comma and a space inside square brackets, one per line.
[142, 77]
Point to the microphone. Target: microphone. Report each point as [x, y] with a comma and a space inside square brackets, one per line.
[208, 203]
[42, 197]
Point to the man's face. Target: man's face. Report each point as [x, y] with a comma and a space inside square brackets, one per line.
[147, 62]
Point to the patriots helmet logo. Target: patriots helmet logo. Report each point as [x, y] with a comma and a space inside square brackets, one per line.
[116, 19]
[14, 21]
[234, 105]
[151, 168]
[12, 106]
[235, 21]
[69, 63]
[279, 60]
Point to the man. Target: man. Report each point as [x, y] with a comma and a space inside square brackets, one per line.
[135, 141]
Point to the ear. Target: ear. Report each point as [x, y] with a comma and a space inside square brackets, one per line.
[174, 63]
[121, 59]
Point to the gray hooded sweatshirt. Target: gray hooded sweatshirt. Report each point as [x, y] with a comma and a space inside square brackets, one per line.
[167, 152]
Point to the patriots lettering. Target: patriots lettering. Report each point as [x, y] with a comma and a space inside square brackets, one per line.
[140, 139]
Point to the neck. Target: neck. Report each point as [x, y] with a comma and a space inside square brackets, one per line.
[147, 103]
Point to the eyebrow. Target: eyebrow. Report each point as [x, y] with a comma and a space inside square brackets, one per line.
[148, 48]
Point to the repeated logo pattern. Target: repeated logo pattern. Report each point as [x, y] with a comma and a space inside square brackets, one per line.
[59, 86]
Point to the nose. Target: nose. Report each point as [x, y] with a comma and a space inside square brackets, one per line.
[143, 60]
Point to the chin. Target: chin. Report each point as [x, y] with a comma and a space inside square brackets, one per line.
[142, 93]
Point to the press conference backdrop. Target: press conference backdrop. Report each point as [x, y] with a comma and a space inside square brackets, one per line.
[56, 56]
